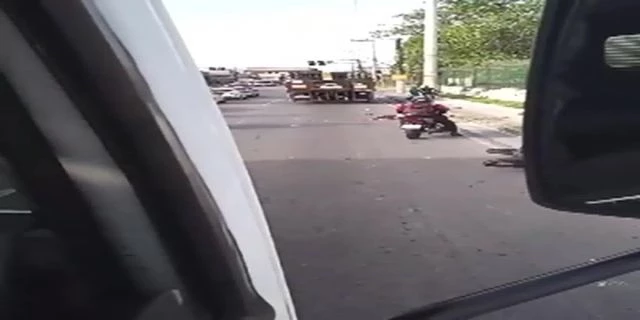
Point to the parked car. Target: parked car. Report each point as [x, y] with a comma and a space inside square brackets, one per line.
[254, 92]
[231, 93]
[248, 91]
[218, 97]
[248, 82]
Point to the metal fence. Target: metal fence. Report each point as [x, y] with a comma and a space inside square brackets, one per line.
[493, 76]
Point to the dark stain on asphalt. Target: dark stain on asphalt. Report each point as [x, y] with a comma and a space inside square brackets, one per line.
[476, 183]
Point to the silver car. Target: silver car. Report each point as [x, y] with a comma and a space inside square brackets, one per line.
[231, 93]
[217, 96]
[249, 91]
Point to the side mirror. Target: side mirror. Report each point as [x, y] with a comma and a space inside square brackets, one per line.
[582, 112]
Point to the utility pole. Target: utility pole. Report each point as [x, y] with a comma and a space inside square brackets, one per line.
[430, 65]
[374, 61]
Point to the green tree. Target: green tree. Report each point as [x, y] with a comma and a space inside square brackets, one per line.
[471, 32]
[414, 58]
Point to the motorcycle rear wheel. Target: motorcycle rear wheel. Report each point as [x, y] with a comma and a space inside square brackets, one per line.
[413, 134]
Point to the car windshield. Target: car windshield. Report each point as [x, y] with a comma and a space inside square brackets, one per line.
[372, 218]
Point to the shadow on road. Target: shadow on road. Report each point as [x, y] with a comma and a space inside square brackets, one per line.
[487, 133]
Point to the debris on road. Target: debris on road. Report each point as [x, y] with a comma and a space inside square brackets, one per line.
[512, 158]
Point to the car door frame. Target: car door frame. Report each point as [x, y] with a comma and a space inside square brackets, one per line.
[144, 142]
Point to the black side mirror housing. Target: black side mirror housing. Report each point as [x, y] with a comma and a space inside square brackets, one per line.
[582, 113]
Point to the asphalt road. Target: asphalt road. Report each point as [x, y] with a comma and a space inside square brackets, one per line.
[369, 224]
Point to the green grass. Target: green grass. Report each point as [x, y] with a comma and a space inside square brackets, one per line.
[510, 104]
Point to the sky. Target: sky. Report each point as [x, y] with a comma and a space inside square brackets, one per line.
[282, 33]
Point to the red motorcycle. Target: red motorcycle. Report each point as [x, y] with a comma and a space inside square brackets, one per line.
[418, 117]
